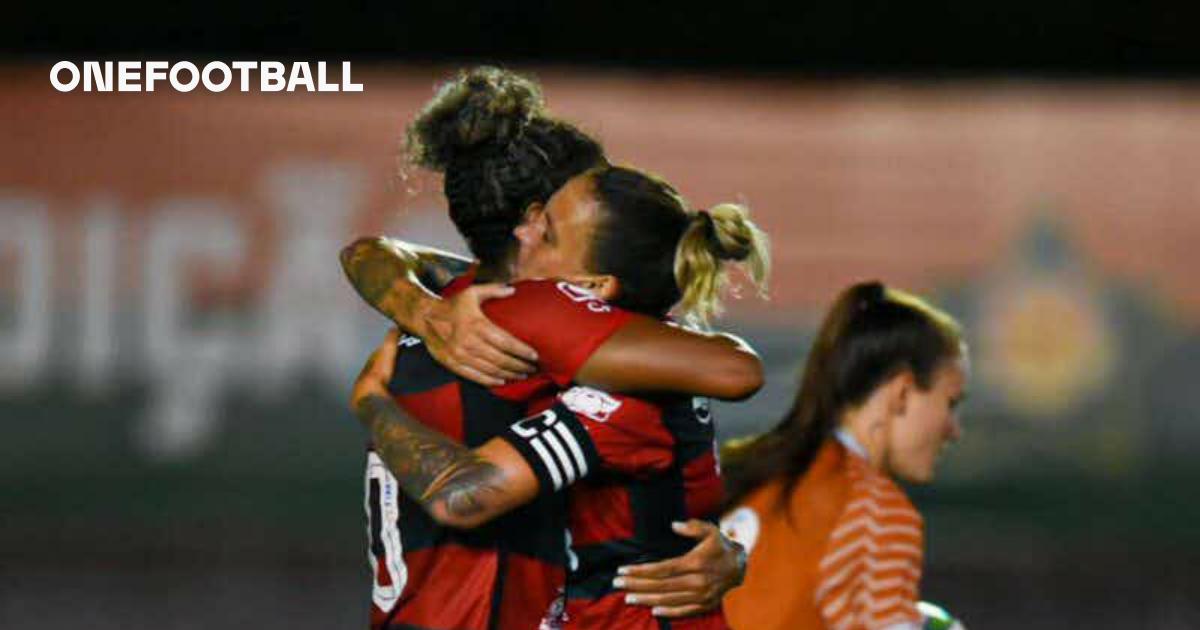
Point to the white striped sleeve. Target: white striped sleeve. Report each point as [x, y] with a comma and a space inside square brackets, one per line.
[556, 445]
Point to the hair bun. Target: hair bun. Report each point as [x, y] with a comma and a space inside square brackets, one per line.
[731, 235]
[867, 294]
[482, 108]
[721, 234]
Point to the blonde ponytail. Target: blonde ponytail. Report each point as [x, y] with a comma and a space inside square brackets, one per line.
[722, 233]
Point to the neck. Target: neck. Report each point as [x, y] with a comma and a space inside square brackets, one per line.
[864, 427]
[496, 270]
[493, 273]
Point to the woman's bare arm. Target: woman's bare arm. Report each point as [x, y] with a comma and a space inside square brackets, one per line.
[465, 488]
[395, 277]
[647, 355]
[386, 273]
[457, 486]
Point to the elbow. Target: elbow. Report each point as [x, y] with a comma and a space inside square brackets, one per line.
[355, 250]
[738, 378]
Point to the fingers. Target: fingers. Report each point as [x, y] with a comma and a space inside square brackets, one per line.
[494, 335]
[673, 612]
[657, 570]
[691, 582]
[665, 599]
[472, 374]
[695, 528]
[467, 366]
[485, 360]
[485, 292]
[505, 342]
[499, 365]
[694, 560]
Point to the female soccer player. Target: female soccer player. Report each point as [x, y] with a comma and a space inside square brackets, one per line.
[835, 543]
[463, 412]
[638, 465]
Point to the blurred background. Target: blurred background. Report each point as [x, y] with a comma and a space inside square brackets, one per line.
[177, 342]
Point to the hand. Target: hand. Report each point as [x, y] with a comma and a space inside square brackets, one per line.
[375, 375]
[691, 584]
[462, 338]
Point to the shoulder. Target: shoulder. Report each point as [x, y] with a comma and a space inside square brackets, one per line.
[876, 520]
[822, 493]
[558, 294]
[878, 494]
[540, 310]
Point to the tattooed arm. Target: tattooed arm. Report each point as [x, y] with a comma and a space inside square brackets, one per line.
[386, 272]
[459, 487]
[392, 276]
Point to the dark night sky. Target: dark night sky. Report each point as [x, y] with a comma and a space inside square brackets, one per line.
[853, 37]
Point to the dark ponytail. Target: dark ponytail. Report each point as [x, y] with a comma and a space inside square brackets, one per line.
[489, 132]
[869, 335]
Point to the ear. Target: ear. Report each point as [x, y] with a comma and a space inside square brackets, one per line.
[899, 388]
[603, 286]
[528, 227]
[534, 208]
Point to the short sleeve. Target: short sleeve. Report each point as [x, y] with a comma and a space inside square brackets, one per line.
[563, 323]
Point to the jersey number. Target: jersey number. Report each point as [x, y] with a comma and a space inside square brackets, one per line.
[384, 551]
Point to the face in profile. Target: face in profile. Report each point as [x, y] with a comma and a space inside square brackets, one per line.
[555, 239]
[927, 423]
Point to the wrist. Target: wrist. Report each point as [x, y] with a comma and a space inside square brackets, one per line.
[740, 556]
[423, 309]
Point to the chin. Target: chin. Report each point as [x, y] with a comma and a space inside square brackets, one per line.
[918, 477]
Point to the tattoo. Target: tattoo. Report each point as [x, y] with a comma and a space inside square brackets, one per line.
[376, 270]
[430, 467]
[392, 276]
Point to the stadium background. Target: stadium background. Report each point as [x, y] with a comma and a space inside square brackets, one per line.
[176, 341]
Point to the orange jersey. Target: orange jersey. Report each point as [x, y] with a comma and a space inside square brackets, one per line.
[844, 551]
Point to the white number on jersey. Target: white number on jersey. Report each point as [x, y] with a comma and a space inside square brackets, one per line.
[388, 571]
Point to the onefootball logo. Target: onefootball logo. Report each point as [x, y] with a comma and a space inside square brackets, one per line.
[185, 76]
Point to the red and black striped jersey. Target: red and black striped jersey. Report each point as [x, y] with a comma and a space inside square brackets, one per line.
[507, 573]
[633, 465]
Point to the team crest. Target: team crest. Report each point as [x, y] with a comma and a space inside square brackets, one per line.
[591, 403]
[743, 526]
